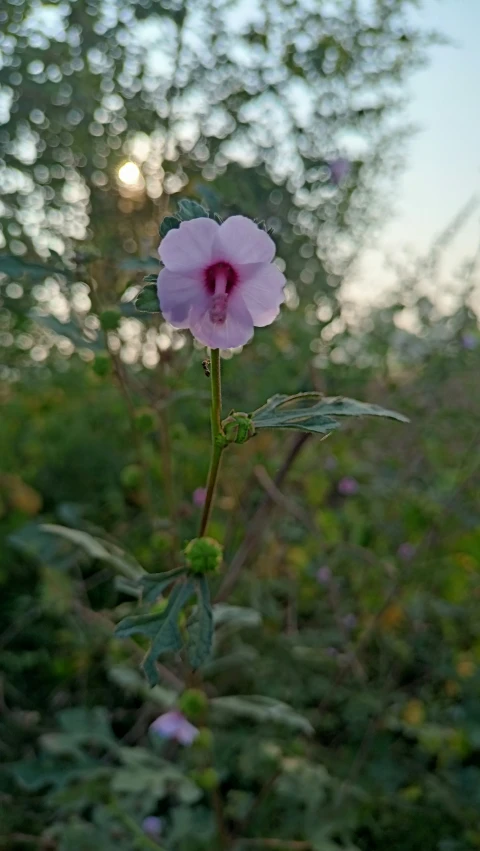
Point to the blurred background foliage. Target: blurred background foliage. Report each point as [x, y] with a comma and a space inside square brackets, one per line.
[343, 690]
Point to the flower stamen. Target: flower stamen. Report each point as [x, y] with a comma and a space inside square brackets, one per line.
[220, 280]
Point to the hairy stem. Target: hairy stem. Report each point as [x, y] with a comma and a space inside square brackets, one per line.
[217, 432]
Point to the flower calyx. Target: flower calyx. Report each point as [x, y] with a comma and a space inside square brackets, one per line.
[238, 427]
[203, 555]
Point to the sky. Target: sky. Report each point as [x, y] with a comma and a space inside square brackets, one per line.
[442, 168]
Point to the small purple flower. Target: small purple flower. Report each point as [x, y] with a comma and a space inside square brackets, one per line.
[152, 826]
[173, 725]
[469, 341]
[199, 497]
[406, 551]
[349, 621]
[347, 486]
[323, 575]
[339, 170]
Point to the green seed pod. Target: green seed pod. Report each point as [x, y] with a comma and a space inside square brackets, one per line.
[102, 364]
[238, 427]
[204, 740]
[203, 555]
[146, 420]
[131, 476]
[193, 703]
[207, 779]
[110, 319]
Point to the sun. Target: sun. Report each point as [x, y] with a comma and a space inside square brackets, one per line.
[129, 174]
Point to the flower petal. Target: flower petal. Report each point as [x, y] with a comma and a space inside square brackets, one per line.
[235, 331]
[177, 292]
[239, 240]
[261, 286]
[189, 246]
[167, 725]
[186, 733]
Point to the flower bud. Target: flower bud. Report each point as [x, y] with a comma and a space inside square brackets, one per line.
[206, 779]
[203, 555]
[146, 420]
[102, 364]
[131, 476]
[110, 319]
[204, 740]
[238, 427]
[193, 703]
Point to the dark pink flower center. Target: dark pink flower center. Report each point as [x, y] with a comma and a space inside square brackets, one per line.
[220, 279]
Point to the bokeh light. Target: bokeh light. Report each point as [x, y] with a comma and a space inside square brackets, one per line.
[129, 174]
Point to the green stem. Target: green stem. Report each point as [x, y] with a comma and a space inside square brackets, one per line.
[217, 433]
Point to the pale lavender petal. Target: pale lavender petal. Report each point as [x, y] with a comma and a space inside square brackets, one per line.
[262, 286]
[190, 246]
[199, 496]
[167, 725]
[177, 292]
[186, 733]
[152, 826]
[240, 241]
[235, 331]
[347, 486]
[339, 170]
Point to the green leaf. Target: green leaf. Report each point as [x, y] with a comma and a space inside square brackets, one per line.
[188, 209]
[98, 549]
[319, 416]
[160, 627]
[154, 583]
[235, 617]
[169, 223]
[147, 300]
[200, 633]
[15, 267]
[151, 279]
[70, 330]
[281, 412]
[340, 406]
[263, 709]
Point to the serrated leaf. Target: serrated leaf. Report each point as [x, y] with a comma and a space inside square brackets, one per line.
[263, 709]
[161, 627]
[147, 300]
[319, 416]
[200, 633]
[341, 406]
[169, 223]
[280, 412]
[154, 583]
[188, 209]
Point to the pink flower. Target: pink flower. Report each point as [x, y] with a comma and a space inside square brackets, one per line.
[199, 496]
[219, 280]
[174, 725]
[347, 486]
